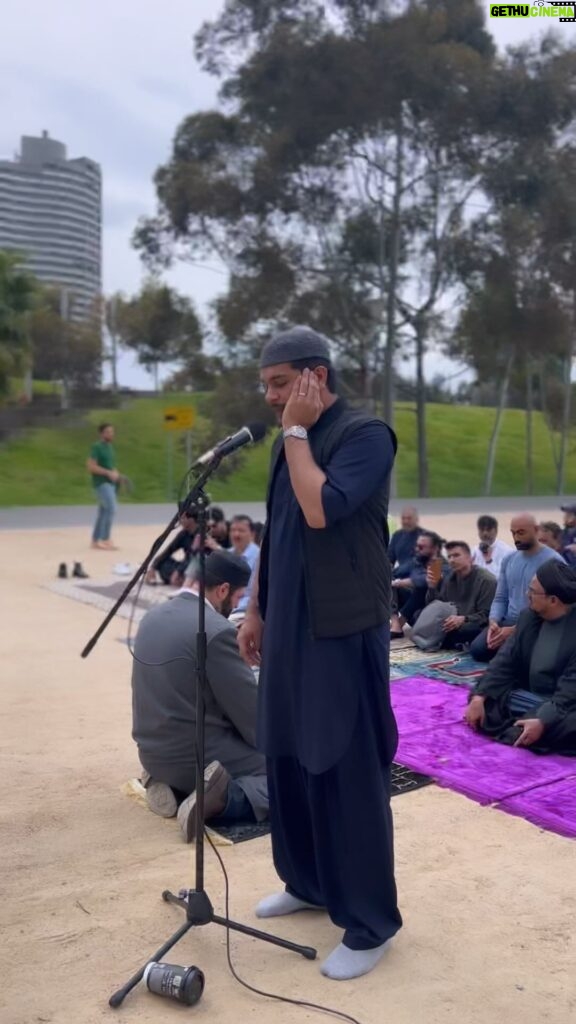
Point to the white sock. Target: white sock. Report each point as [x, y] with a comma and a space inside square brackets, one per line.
[344, 963]
[281, 903]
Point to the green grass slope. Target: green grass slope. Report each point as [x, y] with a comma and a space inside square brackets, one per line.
[46, 466]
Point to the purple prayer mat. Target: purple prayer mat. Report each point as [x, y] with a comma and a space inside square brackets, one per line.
[420, 704]
[487, 771]
[551, 807]
[435, 741]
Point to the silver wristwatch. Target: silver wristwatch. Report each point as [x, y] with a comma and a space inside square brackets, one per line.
[299, 432]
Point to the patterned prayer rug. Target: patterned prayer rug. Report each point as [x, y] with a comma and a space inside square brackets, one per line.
[103, 594]
[450, 666]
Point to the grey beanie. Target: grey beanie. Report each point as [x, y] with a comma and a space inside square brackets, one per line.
[293, 344]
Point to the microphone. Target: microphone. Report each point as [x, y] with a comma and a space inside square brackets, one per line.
[246, 435]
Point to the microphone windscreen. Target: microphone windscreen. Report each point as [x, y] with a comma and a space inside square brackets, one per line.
[258, 431]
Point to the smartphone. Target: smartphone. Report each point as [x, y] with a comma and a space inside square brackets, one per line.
[435, 565]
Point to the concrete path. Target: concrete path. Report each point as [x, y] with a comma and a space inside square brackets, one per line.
[59, 516]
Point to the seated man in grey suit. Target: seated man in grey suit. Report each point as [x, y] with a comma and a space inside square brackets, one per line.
[164, 705]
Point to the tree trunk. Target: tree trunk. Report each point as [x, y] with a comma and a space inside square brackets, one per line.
[393, 259]
[549, 424]
[421, 411]
[565, 431]
[529, 431]
[113, 344]
[496, 428]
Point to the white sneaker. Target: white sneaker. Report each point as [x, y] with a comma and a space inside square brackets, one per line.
[160, 799]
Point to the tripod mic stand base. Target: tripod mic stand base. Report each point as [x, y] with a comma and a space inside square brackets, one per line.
[199, 911]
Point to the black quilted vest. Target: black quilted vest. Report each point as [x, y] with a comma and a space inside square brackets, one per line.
[347, 570]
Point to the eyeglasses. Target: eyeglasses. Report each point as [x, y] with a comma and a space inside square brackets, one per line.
[537, 593]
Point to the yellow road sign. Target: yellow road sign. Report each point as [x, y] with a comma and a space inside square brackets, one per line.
[179, 417]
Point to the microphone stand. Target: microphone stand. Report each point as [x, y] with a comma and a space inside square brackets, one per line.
[195, 902]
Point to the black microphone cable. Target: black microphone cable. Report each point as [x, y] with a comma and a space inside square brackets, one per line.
[330, 1011]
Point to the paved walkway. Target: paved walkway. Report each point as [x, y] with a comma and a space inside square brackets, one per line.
[59, 516]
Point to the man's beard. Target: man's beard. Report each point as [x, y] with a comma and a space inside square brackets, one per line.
[523, 545]
[226, 607]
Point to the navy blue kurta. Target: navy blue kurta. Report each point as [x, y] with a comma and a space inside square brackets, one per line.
[309, 688]
[325, 719]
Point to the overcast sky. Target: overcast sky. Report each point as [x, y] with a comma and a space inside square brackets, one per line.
[112, 81]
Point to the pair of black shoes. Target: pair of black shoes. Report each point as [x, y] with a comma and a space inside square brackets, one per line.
[77, 571]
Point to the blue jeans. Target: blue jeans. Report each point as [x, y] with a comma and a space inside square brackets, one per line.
[106, 495]
[524, 703]
[479, 648]
[238, 807]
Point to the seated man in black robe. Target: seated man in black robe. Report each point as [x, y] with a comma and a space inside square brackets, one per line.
[527, 698]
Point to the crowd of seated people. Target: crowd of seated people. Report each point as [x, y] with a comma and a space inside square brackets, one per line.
[440, 571]
[514, 606]
[511, 606]
[240, 534]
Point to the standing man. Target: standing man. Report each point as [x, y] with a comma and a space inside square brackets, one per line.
[101, 463]
[490, 552]
[320, 620]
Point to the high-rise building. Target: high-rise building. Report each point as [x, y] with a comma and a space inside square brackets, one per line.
[50, 211]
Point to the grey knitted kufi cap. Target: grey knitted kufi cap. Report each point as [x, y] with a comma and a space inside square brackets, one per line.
[296, 343]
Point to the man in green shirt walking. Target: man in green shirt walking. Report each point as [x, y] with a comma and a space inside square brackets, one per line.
[101, 464]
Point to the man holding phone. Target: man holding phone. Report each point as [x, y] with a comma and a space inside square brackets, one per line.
[427, 559]
[470, 589]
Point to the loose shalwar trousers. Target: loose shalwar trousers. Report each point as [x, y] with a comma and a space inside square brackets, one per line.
[332, 838]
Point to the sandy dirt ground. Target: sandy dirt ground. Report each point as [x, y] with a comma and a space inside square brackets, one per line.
[489, 901]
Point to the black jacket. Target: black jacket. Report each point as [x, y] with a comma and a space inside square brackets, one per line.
[347, 568]
[510, 669]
